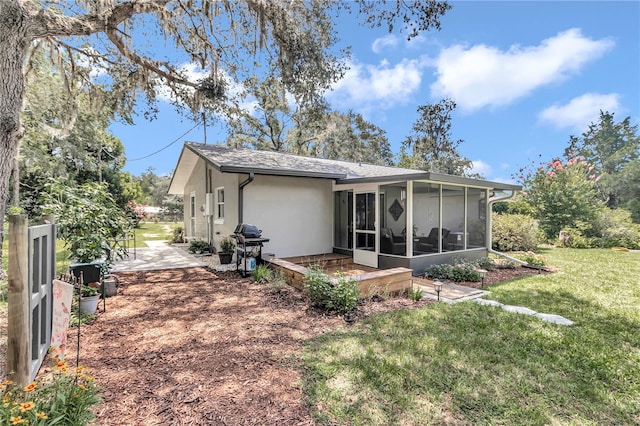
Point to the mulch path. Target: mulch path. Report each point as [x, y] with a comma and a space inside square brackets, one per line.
[193, 346]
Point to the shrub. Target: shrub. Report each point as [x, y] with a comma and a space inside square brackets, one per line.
[503, 263]
[87, 219]
[457, 273]
[513, 232]
[262, 274]
[199, 246]
[415, 295]
[178, 235]
[618, 230]
[481, 263]
[612, 228]
[532, 259]
[340, 294]
[63, 398]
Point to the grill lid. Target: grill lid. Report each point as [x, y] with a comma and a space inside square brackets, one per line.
[248, 231]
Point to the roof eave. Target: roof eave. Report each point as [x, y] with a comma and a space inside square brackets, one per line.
[279, 172]
[437, 177]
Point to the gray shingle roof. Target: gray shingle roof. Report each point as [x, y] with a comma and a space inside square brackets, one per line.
[243, 160]
[236, 159]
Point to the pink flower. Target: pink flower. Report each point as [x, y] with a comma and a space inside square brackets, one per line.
[552, 174]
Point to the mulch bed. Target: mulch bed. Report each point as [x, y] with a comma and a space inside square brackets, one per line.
[193, 346]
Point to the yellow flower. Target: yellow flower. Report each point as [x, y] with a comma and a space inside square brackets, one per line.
[17, 420]
[8, 382]
[5, 399]
[83, 387]
[42, 416]
[30, 387]
[27, 406]
[61, 365]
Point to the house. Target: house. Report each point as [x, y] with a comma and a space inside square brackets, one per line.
[309, 206]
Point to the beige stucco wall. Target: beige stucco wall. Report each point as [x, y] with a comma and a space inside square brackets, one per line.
[296, 214]
[197, 183]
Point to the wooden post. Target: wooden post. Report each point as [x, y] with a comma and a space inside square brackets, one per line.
[18, 358]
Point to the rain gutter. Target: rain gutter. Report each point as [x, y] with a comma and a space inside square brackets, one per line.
[241, 195]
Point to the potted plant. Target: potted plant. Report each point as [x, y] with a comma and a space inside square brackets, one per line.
[89, 298]
[227, 246]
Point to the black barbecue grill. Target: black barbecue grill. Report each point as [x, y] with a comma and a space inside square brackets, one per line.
[249, 247]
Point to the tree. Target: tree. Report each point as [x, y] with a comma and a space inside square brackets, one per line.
[53, 149]
[350, 137]
[278, 123]
[229, 39]
[430, 147]
[563, 195]
[613, 148]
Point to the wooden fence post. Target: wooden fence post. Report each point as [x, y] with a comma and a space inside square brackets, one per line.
[18, 358]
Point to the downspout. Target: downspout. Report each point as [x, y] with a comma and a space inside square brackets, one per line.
[241, 195]
[489, 248]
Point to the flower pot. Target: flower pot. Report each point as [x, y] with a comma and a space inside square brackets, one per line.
[110, 286]
[225, 258]
[89, 304]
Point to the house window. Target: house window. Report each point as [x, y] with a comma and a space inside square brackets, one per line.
[219, 203]
[192, 214]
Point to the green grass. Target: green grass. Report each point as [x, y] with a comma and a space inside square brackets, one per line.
[150, 231]
[478, 365]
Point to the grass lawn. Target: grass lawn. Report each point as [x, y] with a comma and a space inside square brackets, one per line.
[160, 231]
[471, 364]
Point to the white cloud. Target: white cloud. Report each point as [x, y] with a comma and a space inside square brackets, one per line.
[481, 76]
[481, 168]
[381, 86]
[191, 72]
[579, 112]
[381, 43]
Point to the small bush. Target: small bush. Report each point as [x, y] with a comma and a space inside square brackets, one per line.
[457, 273]
[532, 259]
[482, 263]
[503, 263]
[262, 274]
[64, 398]
[415, 295]
[340, 294]
[199, 246]
[515, 232]
[177, 236]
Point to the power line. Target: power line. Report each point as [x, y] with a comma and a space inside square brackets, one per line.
[165, 147]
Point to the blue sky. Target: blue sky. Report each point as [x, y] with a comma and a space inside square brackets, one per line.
[525, 76]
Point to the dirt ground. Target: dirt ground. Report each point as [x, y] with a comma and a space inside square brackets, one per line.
[193, 347]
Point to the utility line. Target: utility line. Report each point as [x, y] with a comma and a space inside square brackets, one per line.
[165, 147]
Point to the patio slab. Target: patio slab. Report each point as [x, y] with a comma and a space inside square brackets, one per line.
[158, 256]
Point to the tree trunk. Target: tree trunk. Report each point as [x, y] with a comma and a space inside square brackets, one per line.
[13, 48]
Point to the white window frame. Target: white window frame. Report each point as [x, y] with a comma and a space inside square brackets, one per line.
[218, 217]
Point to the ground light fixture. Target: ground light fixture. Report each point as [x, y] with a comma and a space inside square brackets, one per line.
[483, 273]
[437, 286]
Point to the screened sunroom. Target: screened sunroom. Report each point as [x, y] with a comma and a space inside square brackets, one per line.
[415, 223]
